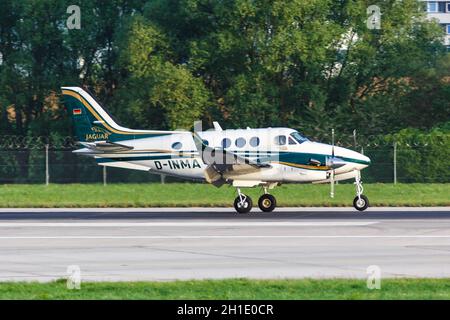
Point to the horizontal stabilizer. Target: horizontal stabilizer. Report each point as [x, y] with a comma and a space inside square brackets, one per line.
[106, 147]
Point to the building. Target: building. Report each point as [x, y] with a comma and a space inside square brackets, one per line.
[440, 10]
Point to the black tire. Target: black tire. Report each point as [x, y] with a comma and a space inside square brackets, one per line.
[361, 205]
[267, 203]
[248, 204]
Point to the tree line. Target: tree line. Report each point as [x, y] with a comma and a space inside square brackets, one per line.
[311, 65]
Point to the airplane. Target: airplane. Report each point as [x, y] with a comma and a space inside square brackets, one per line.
[242, 158]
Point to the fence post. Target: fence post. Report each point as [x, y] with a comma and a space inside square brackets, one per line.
[332, 171]
[395, 162]
[47, 173]
[105, 176]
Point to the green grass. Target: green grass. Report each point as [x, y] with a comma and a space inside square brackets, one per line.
[233, 289]
[189, 194]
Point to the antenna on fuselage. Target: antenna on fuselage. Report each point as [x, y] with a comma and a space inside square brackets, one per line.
[217, 126]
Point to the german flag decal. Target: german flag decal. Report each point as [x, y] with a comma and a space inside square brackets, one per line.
[76, 111]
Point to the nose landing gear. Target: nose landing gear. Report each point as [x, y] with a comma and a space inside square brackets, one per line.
[361, 202]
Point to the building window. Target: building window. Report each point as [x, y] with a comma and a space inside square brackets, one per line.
[226, 143]
[254, 141]
[432, 6]
[177, 145]
[280, 140]
[240, 142]
[448, 29]
[448, 6]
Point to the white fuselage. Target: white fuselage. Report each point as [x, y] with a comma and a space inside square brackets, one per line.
[289, 159]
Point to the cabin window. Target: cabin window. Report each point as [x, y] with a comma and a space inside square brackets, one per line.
[254, 141]
[226, 143]
[298, 137]
[240, 142]
[291, 141]
[177, 145]
[280, 140]
[206, 142]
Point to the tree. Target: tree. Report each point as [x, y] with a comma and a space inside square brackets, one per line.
[306, 64]
[160, 93]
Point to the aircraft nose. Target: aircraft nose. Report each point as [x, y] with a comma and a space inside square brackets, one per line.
[358, 159]
[364, 159]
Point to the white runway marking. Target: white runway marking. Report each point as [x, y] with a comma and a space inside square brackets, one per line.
[220, 209]
[184, 224]
[209, 243]
[231, 237]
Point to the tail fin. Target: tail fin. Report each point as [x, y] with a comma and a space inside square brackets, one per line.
[93, 123]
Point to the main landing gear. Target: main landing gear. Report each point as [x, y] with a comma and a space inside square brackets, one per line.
[243, 203]
[361, 202]
[267, 202]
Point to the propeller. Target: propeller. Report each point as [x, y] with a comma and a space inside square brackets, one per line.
[332, 165]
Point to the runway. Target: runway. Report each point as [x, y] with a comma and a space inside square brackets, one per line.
[214, 243]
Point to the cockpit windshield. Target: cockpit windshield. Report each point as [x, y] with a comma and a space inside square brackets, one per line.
[298, 137]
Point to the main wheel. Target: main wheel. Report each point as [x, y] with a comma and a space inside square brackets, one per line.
[244, 207]
[361, 204]
[267, 202]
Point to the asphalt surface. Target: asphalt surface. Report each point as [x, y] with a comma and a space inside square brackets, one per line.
[199, 243]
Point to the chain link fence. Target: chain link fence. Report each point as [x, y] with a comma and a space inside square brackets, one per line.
[39, 160]
[51, 160]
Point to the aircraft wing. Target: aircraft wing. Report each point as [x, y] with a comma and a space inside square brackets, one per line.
[105, 146]
[222, 162]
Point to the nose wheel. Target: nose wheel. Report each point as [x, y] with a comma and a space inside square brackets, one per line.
[361, 202]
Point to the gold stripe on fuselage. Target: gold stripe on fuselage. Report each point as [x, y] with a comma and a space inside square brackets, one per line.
[303, 166]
